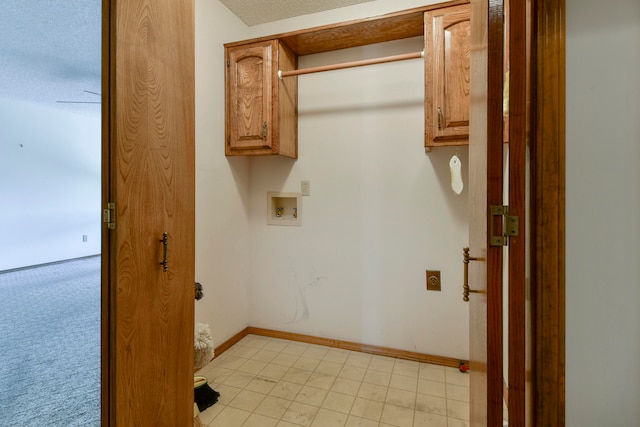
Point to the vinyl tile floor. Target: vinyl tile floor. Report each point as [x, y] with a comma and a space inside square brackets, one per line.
[268, 382]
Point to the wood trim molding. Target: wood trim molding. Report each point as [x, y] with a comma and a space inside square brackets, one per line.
[360, 32]
[345, 345]
[548, 169]
[230, 342]
[519, 37]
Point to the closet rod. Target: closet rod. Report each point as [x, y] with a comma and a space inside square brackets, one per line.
[352, 64]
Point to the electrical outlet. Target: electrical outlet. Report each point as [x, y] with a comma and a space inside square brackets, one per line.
[433, 280]
[305, 188]
[84, 237]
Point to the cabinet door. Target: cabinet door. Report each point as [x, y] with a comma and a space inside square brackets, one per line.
[447, 74]
[249, 97]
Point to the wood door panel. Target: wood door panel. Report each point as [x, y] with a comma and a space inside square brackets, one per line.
[248, 107]
[447, 75]
[457, 73]
[250, 96]
[152, 137]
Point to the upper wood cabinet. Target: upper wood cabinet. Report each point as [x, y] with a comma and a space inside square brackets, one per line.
[447, 36]
[261, 110]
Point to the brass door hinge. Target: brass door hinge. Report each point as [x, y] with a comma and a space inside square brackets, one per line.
[109, 216]
[510, 225]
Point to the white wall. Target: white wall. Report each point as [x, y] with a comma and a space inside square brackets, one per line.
[395, 197]
[603, 213]
[222, 184]
[50, 184]
[380, 213]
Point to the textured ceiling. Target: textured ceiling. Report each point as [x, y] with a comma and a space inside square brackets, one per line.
[253, 12]
[50, 49]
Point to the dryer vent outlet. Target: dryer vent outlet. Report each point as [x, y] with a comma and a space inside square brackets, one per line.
[433, 280]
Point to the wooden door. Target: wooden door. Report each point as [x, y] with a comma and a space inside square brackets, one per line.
[447, 75]
[249, 97]
[148, 122]
[486, 189]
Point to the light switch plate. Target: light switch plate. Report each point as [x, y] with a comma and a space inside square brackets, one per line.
[305, 188]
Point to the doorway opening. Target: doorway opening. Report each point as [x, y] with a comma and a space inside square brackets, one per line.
[50, 221]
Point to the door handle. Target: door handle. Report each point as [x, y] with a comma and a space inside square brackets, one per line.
[165, 243]
[465, 287]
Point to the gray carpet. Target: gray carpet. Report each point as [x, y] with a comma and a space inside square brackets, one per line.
[50, 345]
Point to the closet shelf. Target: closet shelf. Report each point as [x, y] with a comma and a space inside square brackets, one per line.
[361, 32]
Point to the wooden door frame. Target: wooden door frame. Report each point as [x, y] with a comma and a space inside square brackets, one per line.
[106, 347]
[518, 57]
[548, 211]
[547, 222]
[546, 122]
